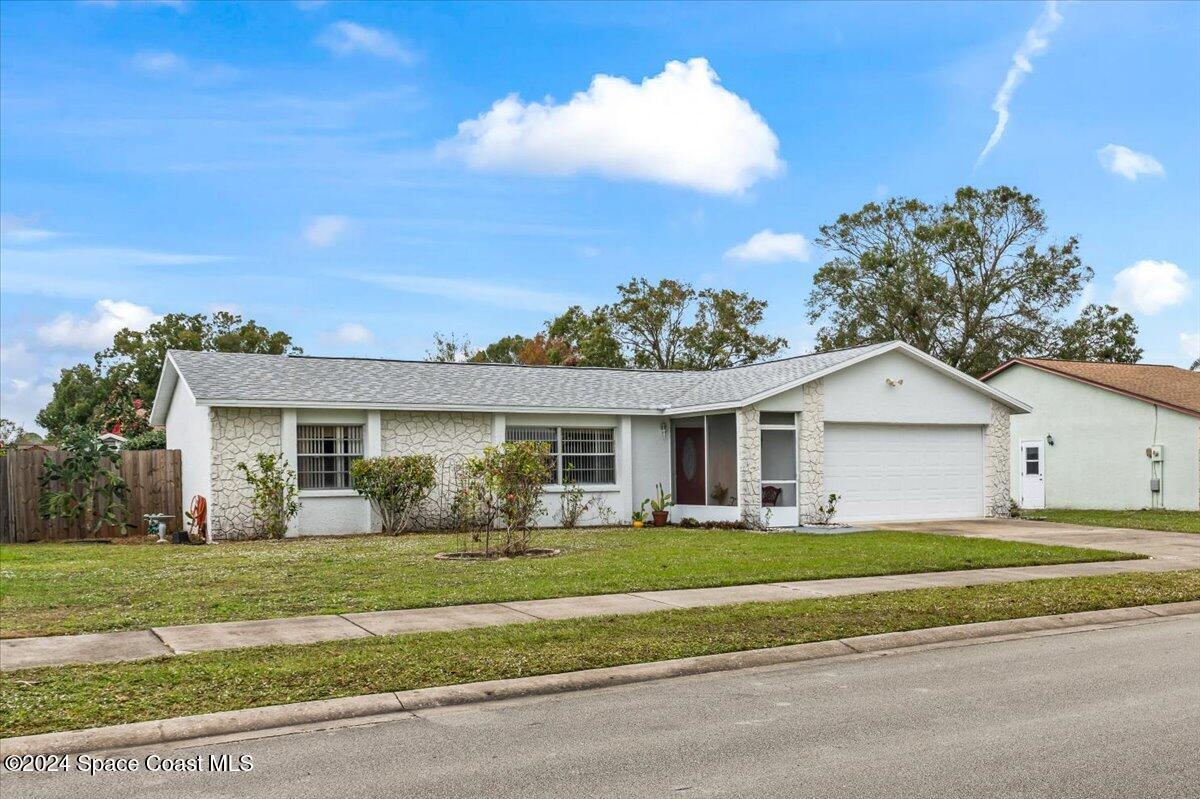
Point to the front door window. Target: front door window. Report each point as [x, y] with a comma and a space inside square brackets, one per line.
[689, 466]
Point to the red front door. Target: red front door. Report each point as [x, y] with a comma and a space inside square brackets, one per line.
[689, 466]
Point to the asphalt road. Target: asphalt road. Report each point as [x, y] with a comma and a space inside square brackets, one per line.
[1108, 713]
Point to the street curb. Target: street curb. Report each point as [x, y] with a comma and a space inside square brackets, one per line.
[123, 736]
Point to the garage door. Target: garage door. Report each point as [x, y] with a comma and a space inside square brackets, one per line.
[904, 471]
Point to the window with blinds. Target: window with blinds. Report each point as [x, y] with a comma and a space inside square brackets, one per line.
[584, 454]
[324, 453]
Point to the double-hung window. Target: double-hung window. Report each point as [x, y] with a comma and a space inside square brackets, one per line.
[324, 453]
[584, 455]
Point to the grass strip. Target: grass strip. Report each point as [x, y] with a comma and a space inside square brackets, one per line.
[61, 589]
[76, 697]
[1172, 521]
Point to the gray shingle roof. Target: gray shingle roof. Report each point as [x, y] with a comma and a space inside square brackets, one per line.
[242, 379]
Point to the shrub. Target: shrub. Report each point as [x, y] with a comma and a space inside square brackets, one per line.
[151, 439]
[275, 493]
[84, 484]
[573, 502]
[505, 483]
[825, 512]
[397, 487]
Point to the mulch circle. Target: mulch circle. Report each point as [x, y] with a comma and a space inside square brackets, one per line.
[533, 552]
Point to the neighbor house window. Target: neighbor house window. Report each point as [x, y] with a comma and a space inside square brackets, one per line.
[586, 454]
[324, 453]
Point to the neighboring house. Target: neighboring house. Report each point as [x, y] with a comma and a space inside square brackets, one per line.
[114, 441]
[1103, 435]
[898, 434]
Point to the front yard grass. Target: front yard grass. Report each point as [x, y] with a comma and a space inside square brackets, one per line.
[50, 699]
[1174, 521]
[54, 589]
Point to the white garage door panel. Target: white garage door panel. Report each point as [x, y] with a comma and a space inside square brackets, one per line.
[904, 471]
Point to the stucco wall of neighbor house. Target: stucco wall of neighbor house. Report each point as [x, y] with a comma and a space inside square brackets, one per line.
[450, 437]
[1098, 459]
[238, 434]
[810, 435]
[749, 464]
[189, 430]
[996, 471]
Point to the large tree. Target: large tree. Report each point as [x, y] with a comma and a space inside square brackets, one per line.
[120, 383]
[664, 325]
[670, 325]
[1101, 333]
[589, 334]
[970, 281]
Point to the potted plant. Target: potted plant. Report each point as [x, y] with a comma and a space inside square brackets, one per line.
[658, 506]
[639, 518]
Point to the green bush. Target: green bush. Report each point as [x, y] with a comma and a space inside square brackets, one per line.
[151, 439]
[397, 487]
[505, 483]
[86, 484]
[275, 493]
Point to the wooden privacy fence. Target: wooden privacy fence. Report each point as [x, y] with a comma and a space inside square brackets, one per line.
[154, 483]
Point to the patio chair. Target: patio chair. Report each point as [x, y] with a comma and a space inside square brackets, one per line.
[770, 495]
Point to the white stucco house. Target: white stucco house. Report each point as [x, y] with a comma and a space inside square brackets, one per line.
[1103, 435]
[898, 434]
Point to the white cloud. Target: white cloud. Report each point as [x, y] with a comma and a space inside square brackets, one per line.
[1036, 40]
[1149, 286]
[21, 399]
[177, 5]
[164, 62]
[158, 61]
[1189, 343]
[96, 331]
[350, 333]
[16, 355]
[324, 231]
[1120, 160]
[588, 251]
[84, 272]
[680, 127]
[767, 246]
[22, 231]
[477, 291]
[350, 38]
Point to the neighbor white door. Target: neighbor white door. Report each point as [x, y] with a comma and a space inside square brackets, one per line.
[1033, 475]
[894, 472]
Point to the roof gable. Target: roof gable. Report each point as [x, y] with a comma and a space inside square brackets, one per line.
[1157, 384]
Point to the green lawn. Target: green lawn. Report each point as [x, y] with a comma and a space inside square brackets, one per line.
[1175, 521]
[49, 699]
[50, 589]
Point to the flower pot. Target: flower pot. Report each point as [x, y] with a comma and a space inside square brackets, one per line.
[660, 518]
[639, 523]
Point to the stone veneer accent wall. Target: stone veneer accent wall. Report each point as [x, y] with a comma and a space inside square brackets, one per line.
[237, 435]
[811, 435]
[450, 437]
[997, 494]
[749, 465]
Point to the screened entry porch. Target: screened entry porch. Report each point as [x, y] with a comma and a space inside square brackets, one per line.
[705, 476]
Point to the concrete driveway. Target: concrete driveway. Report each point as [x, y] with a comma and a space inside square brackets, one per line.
[1154, 543]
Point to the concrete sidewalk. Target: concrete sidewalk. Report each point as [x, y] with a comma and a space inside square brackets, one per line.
[1167, 552]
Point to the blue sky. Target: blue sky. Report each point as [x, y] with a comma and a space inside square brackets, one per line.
[303, 163]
